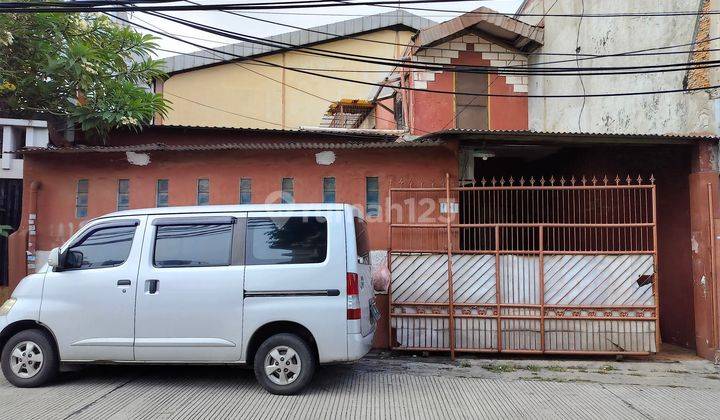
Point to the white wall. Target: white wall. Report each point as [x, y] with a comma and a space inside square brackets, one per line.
[676, 113]
[16, 134]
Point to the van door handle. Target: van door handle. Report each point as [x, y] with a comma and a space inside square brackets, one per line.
[124, 283]
[152, 286]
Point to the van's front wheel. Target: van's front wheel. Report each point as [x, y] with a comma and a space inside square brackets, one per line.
[29, 359]
[284, 364]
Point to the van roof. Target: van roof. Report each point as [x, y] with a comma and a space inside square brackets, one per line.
[229, 208]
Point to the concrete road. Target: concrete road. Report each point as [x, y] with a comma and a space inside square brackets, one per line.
[396, 388]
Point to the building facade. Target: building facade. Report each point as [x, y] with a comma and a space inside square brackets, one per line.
[500, 237]
[687, 38]
[16, 134]
[253, 86]
[665, 40]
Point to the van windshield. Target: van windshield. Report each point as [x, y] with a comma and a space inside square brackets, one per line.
[362, 242]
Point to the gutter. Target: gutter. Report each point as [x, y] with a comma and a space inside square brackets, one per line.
[339, 130]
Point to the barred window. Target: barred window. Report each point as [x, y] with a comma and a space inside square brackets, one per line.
[288, 191]
[123, 197]
[328, 190]
[245, 191]
[372, 196]
[161, 195]
[203, 192]
[81, 198]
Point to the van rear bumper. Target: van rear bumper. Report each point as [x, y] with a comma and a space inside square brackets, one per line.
[359, 345]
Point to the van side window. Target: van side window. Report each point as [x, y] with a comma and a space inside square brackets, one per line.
[104, 247]
[362, 242]
[193, 245]
[286, 240]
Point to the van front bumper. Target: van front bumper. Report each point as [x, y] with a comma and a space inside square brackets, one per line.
[359, 345]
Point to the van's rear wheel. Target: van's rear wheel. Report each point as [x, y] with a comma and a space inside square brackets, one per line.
[284, 364]
[29, 359]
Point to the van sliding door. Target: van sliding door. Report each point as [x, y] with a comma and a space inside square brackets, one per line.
[190, 291]
[296, 271]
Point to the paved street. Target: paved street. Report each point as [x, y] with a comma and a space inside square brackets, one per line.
[384, 388]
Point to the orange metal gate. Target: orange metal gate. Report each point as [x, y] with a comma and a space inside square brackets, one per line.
[525, 266]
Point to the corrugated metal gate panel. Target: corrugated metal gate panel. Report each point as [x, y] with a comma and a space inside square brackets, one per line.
[571, 281]
[587, 280]
[10, 212]
[420, 278]
[474, 279]
[566, 269]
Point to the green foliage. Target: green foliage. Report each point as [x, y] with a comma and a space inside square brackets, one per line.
[500, 367]
[81, 67]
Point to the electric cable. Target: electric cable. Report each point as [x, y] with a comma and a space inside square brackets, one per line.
[609, 94]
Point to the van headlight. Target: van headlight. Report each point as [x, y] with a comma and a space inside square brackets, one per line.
[5, 308]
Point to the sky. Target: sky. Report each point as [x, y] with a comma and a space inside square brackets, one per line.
[305, 18]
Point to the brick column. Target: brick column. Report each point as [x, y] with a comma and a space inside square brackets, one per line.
[21, 244]
[704, 183]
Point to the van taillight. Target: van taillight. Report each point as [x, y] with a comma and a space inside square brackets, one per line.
[353, 296]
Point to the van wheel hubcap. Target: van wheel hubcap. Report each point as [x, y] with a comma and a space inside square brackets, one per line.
[26, 359]
[282, 365]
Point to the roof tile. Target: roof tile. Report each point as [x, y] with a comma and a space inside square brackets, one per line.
[178, 63]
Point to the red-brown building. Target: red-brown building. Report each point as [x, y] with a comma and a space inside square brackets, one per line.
[499, 239]
[65, 187]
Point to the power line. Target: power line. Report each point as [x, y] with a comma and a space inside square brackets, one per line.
[385, 61]
[376, 41]
[81, 4]
[269, 12]
[564, 15]
[487, 89]
[241, 115]
[503, 70]
[577, 50]
[638, 53]
[221, 60]
[641, 52]
[295, 88]
[223, 110]
[617, 94]
[516, 71]
[79, 7]
[274, 80]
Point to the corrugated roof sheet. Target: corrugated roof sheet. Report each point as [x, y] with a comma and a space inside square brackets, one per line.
[390, 135]
[161, 147]
[184, 62]
[549, 135]
[569, 133]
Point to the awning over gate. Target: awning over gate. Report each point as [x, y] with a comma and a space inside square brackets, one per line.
[559, 138]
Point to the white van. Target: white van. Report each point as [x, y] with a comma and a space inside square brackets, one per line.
[279, 287]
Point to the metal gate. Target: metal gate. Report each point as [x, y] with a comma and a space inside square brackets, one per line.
[525, 266]
[10, 212]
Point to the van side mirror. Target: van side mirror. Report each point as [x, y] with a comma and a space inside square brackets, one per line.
[60, 261]
[54, 258]
[72, 259]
